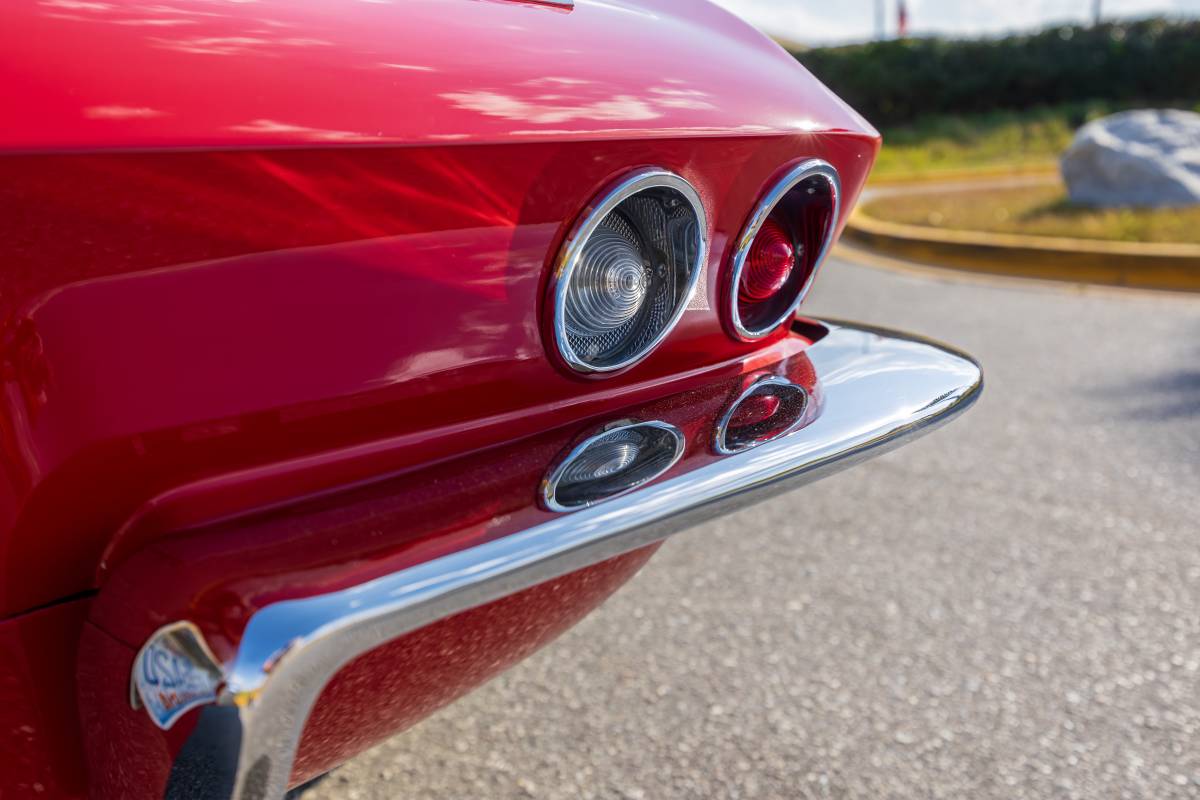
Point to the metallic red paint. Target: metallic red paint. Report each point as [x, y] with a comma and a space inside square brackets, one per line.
[41, 754]
[260, 252]
[380, 694]
[206, 73]
[406, 680]
[163, 337]
[219, 575]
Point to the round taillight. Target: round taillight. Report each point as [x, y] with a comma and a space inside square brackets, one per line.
[782, 247]
[772, 258]
[621, 458]
[771, 407]
[627, 271]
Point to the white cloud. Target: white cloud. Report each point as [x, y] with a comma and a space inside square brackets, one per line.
[817, 21]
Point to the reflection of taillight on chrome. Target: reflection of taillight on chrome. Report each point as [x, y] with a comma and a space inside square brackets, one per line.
[627, 271]
[782, 247]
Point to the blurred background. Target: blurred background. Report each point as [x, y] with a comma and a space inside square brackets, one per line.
[964, 90]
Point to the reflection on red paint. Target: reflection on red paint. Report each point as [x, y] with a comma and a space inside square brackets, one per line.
[173, 317]
[305, 72]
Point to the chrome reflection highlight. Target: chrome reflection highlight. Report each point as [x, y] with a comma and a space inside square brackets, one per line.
[810, 174]
[879, 390]
[611, 463]
[771, 407]
[627, 271]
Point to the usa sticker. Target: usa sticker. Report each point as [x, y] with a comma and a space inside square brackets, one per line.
[173, 673]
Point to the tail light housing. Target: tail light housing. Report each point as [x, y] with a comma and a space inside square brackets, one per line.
[627, 271]
[619, 459]
[781, 249]
[770, 407]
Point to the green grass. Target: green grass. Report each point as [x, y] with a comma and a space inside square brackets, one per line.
[1002, 140]
[1040, 211]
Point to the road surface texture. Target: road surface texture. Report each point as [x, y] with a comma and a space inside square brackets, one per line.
[1008, 608]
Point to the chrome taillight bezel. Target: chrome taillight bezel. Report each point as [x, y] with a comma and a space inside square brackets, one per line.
[550, 484]
[811, 168]
[572, 251]
[721, 444]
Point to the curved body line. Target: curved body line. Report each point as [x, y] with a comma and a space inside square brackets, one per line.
[290, 649]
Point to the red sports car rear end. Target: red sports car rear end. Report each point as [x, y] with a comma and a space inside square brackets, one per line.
[353, 351]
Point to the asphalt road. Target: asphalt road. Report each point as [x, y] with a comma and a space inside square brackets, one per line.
[1008, 608]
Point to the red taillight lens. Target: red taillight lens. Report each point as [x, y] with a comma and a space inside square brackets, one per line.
[781, 249]
[754, 410]
[770, 408]
[772, 257]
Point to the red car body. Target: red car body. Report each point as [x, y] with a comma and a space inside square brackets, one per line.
[273, 288]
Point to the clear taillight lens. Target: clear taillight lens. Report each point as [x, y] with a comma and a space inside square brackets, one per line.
[781, 249]
[618, 460]
[627, 272]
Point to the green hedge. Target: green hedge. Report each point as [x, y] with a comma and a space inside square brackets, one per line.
[892, 82]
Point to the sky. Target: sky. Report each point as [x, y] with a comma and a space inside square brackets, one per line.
[822, 21]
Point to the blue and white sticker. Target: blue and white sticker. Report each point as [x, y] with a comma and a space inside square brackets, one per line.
[173, 673]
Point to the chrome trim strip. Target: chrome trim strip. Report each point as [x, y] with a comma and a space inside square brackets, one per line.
[550, 483]
[572, 251]
[878, 389]
[812, 168]
[719, 436]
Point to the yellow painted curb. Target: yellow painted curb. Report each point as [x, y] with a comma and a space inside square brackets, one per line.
[1046, 168]
[1147, 266]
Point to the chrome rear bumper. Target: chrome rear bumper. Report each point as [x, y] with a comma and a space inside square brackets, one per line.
[879, 389]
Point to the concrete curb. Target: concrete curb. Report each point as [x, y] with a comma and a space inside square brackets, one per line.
[1147, 266]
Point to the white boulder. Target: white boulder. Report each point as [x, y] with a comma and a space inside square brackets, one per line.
[1136, 158]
